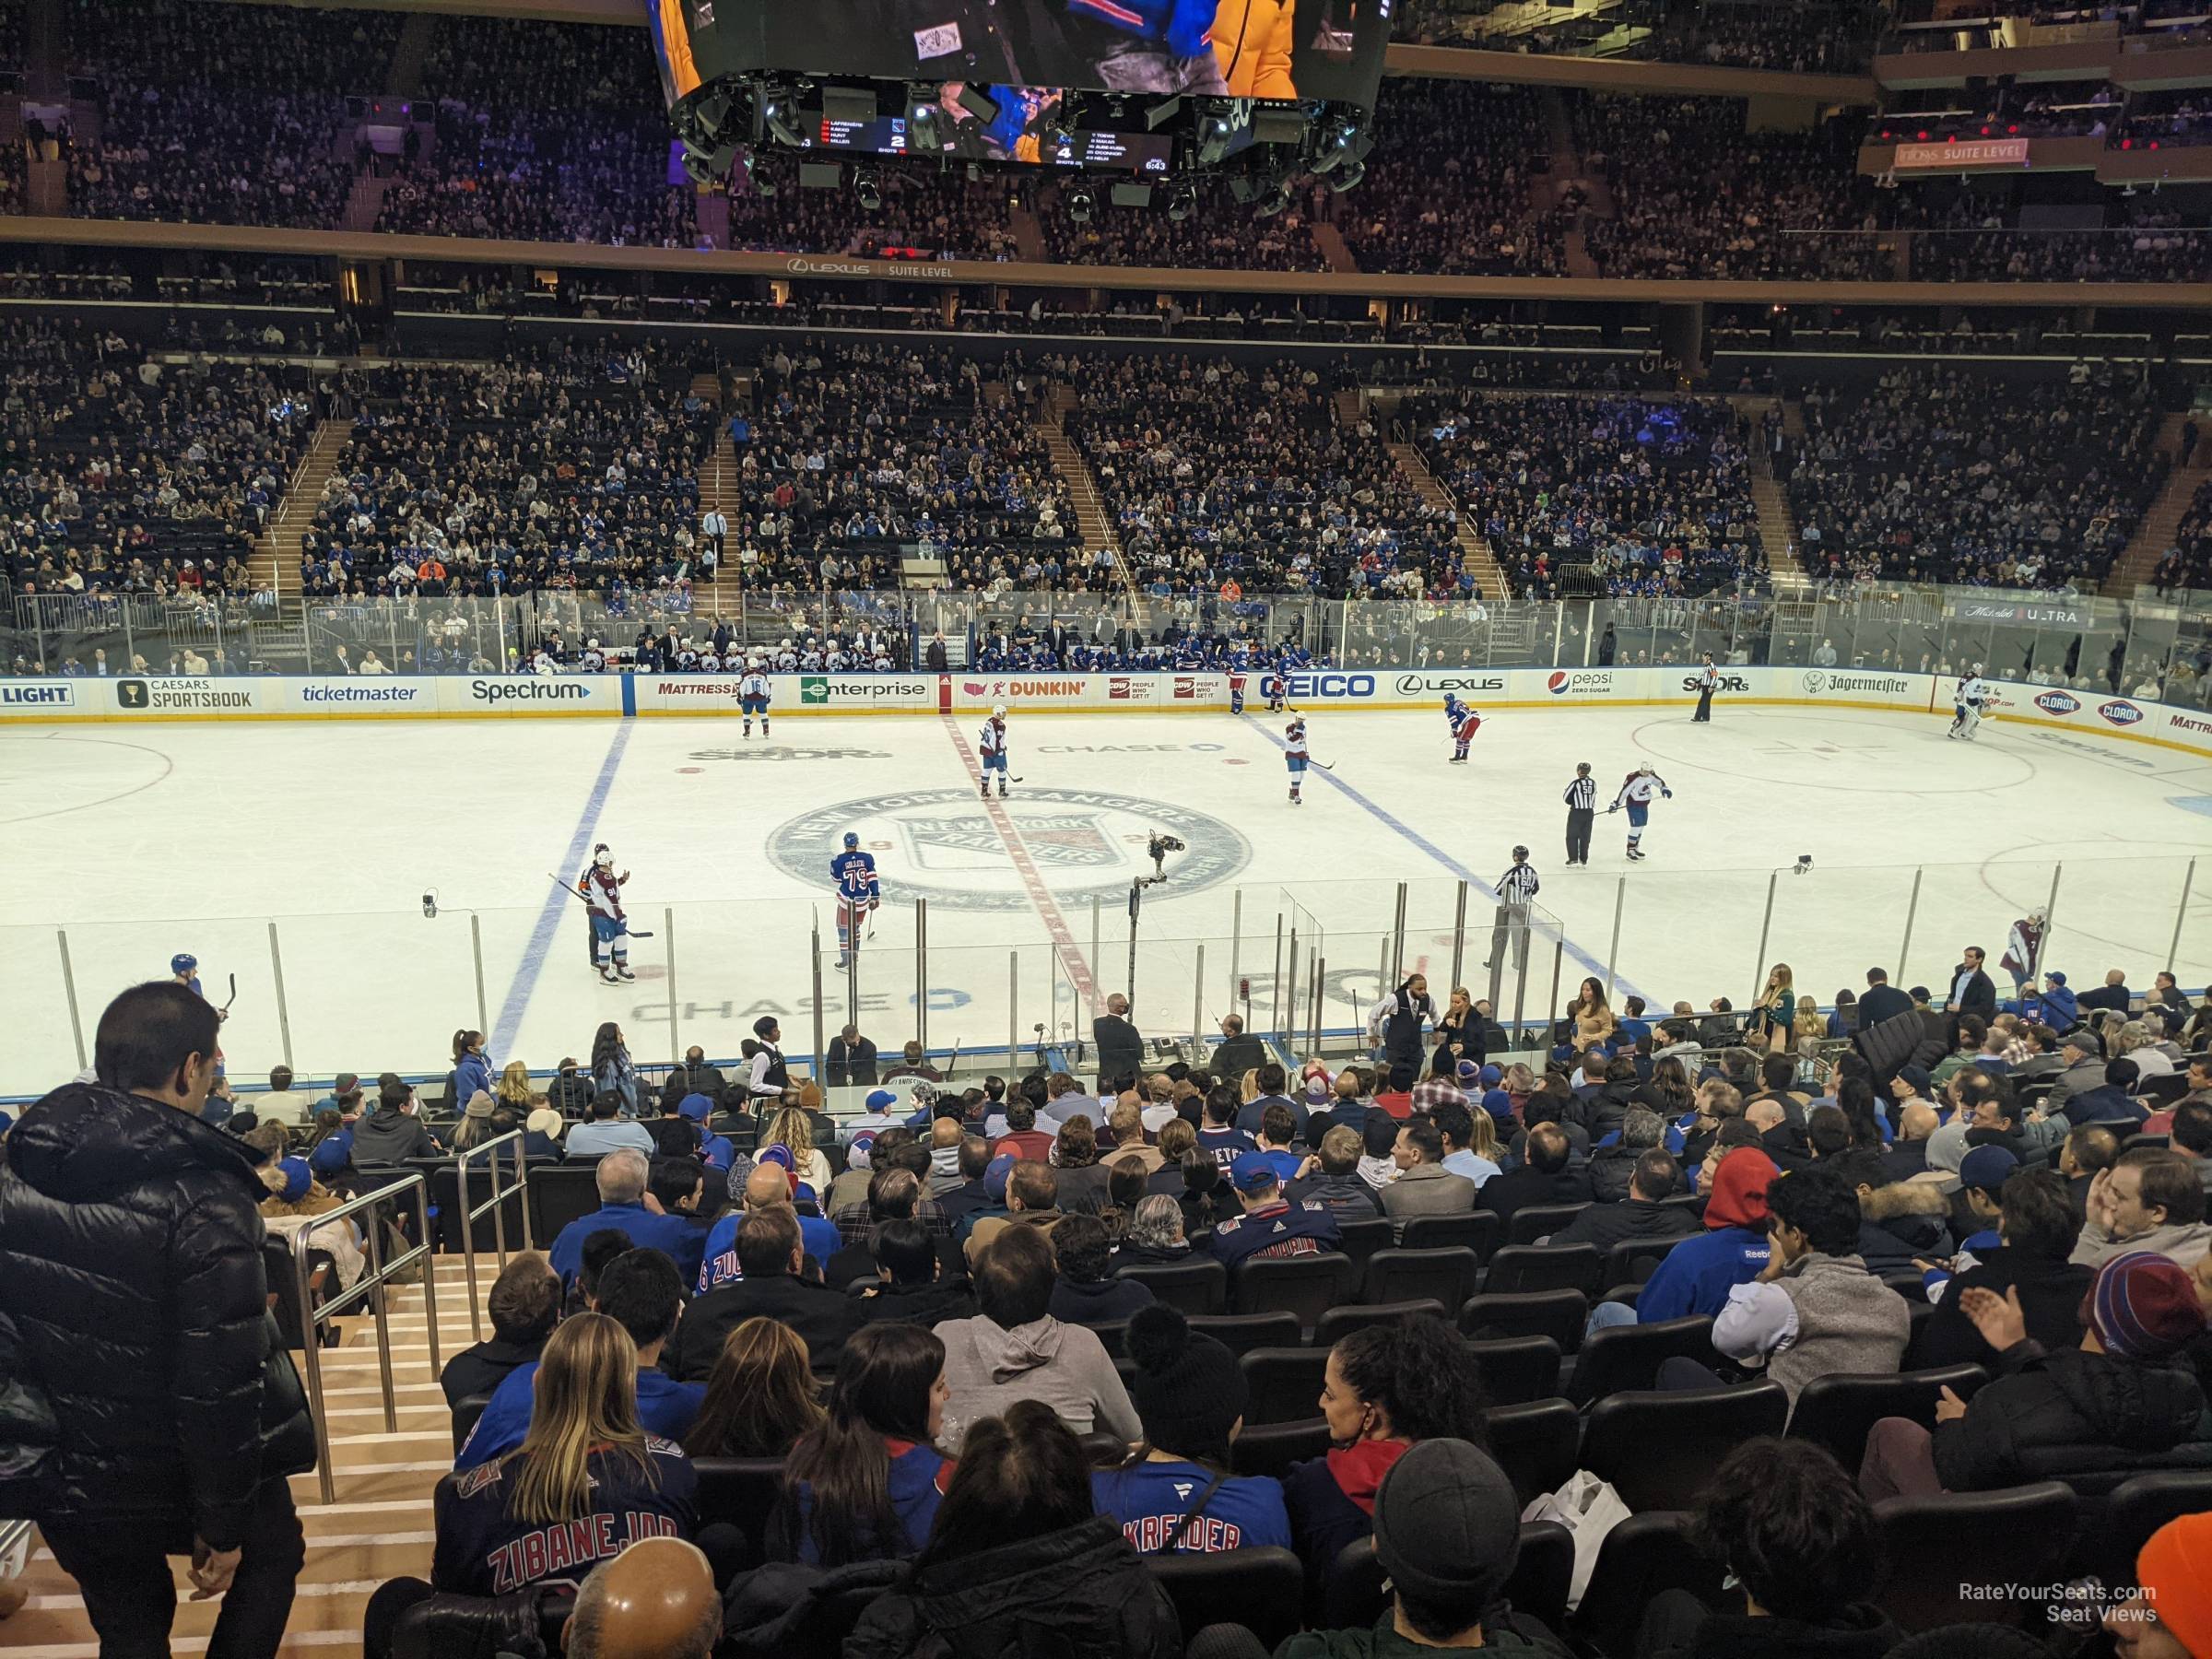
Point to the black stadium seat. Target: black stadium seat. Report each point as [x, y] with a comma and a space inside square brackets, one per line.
[1478, 1230]
[1537, 1444]
[1660, 1449]
[1200, 1286]
[1951, 1557]
[1307, 1285]
[1642, 1556]
[1285, 1383]
[466, 1410]
[1361, 1239]
[1445, 1275]
[1521, 1268]
[1540, 1221]
[1558, 1315]
[2135, 1510]
[1837, 1411]
[1340, 1323]
[1240, 1333]
[1619, 1359]
[1262, 1588]
[1516, 1370]
[1273, 1447]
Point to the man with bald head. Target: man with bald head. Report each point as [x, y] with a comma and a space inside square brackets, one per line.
[656, 1600]
[766, 1186]
[1908, 1155]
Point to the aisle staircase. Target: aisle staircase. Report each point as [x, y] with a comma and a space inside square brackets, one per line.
[1092, 527]
[2155, 534]
[1777, 520]
[274, 566]
[717, 489]
[1333, 254]
[1474, 547]
[415, 37]
[378, 1525]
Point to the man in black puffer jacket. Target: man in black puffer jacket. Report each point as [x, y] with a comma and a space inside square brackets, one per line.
[131, 1236]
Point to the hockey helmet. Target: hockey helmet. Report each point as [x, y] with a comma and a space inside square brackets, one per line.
[998, 711]
[852, 840]
[604, 856]
[184, 962]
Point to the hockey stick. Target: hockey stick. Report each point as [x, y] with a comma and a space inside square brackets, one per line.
[567, 888]
[233, 996]
[1324, 765]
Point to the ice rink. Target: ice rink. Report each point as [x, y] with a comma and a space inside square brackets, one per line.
[139, 841]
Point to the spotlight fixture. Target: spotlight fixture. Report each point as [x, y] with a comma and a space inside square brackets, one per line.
[758, 177]
[923, 133]
[780, 115]
[1273, 199]
[705, 167]
[1081, 203]
[1347, 175]
[868, 187]
[1215, 129]
[1341, 145]
[1182, 203]
[1157, 115]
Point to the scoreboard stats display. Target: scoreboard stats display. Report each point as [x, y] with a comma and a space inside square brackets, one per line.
[1023, 129]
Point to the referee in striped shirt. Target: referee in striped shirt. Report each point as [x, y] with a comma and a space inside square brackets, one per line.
[1516, 890]
[1581, 812]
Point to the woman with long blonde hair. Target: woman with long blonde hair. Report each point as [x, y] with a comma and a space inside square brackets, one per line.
[1777, 1003]
[514, 1090]
[1810, 1022]
[513, 1522]
[790, 1128]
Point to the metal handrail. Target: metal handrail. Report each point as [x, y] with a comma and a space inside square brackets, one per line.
[371, 1286]
[496, 1204]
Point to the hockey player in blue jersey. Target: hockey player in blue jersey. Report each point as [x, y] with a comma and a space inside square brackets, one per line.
[1464, 723]
[852, 873]
[1294, 754]
[992, 744]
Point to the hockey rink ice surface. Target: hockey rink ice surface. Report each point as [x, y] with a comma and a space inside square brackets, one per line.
[142, 840]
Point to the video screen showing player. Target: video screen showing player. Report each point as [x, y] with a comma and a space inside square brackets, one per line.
[1266, 49]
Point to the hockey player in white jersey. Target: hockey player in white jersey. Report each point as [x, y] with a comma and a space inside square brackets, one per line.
[991, 744]
[1294, 754]
[602, 890]
[1974, 694]
[752, 697]
[1636, 792]
[853, 872]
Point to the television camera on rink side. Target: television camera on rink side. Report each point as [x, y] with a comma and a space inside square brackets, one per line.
[1160, 103]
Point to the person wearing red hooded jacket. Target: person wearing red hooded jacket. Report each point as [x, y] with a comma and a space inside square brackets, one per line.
[1697, 1274]
[1385, 1388]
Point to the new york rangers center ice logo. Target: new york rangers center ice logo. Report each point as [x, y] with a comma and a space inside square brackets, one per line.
[946, 846]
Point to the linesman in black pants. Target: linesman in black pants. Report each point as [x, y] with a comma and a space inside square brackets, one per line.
[1709, 681]
[1581, 810]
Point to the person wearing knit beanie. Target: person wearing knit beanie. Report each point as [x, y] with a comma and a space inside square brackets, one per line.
[1174, 1495]
[2144, 1306]
[2170, 1615]
[1448, 1533]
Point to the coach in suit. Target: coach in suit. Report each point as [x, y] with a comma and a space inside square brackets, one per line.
[1121, 1046]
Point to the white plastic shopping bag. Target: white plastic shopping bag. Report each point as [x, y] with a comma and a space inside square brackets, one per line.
[1589, 1508]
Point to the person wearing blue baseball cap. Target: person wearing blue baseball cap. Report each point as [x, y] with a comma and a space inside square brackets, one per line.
[1271, 1225]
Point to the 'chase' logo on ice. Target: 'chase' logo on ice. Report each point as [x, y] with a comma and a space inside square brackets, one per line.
[2120, 711]
[2058, 702]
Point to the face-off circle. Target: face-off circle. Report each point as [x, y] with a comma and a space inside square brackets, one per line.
[942, 845]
